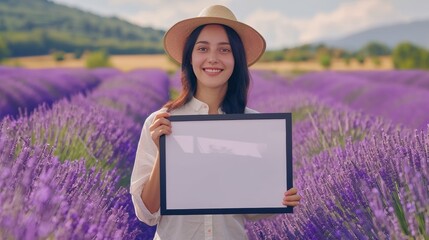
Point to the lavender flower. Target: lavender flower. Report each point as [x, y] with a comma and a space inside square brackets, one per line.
[105, 136]
[44, 198]
[24, 89]
[377, 94]
[361, 177]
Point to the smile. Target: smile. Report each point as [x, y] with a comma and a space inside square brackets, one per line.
[212, 70]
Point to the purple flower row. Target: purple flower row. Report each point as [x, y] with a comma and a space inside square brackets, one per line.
[98, 135]
[150, 87]
[43, 197]
[373, 189]
[411, 78]
[360, 176]
[318, 124]
[89, 127]
[77, 129]
[403, 104]
[25, 89]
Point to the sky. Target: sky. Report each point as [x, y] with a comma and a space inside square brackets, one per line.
[283, 23]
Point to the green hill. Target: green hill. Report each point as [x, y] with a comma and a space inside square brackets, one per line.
[37, 27]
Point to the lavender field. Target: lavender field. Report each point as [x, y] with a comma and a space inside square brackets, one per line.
[68, 140]
[363, 173]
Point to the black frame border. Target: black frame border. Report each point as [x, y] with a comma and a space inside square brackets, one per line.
[253, 116]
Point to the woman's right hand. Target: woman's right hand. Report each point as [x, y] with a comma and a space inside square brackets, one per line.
[160, 126]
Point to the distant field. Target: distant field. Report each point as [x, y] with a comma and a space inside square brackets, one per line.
[337, 64]
[122, 62]
[130, 62]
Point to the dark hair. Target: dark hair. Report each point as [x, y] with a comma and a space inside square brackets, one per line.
[235, 99]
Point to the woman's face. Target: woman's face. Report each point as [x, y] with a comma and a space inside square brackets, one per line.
[212, 59]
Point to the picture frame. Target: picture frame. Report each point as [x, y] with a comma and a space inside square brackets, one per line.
[226, 164]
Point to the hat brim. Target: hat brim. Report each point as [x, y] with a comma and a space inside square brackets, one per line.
[175, 37]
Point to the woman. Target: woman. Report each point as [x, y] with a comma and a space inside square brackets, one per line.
[215, 51]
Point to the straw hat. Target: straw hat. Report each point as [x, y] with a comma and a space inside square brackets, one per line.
[175, 37]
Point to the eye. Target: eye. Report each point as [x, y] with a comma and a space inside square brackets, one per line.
[225, 50]
[201, 49]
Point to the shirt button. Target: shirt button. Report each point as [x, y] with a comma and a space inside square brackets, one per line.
[209, 231]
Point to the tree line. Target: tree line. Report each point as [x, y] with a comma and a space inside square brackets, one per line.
[405, 55]
[42, 42]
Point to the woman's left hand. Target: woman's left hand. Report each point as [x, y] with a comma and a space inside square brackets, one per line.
[291, 197]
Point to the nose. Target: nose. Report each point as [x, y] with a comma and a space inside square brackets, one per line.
[212, 58]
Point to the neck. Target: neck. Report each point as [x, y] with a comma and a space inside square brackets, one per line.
[212, 98]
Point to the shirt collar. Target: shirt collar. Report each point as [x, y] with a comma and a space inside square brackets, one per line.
[200, 106]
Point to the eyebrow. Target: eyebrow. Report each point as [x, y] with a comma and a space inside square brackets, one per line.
[206, 42]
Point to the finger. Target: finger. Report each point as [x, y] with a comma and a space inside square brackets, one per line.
[291, 191]
[164, 129]
[291, 204]
[160, 122]
[161, 130]
[162, 115]
[292, 198]
[156, 135]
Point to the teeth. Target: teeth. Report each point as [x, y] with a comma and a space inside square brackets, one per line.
[212, 70]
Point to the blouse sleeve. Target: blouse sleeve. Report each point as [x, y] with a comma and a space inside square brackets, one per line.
[143, 164]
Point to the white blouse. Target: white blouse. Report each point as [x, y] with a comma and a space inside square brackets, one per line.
[176, 226]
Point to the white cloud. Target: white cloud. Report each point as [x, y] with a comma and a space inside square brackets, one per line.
[166, 13]
[277, 29]
[156, 19]
[347, 18]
